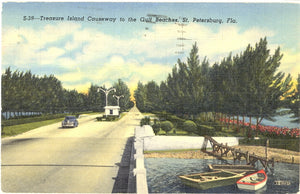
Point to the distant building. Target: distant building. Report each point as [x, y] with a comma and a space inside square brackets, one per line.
[112, 110]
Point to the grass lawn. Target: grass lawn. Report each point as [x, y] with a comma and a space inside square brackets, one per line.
[18, 129]
[7, 131]
[148, 114]
[230, 132]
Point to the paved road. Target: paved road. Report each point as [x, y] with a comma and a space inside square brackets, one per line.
[82, 160]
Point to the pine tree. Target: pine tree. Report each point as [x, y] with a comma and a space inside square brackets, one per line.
[294, 102]
[140, 97]
[122, 90]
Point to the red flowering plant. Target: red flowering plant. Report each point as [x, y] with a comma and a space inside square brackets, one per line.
[268, 131]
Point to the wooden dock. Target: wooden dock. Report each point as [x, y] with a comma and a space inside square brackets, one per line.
[220, 150]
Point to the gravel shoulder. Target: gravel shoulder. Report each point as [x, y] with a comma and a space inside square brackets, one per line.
[279, 155]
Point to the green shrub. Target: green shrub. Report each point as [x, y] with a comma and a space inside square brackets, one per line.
[107, 118]
[145, 121]
[166, 126]
[206, 130]
[110, 118]
[177, 122]
[189, 126]
[218, 127]
[99, 118]
[156, 128]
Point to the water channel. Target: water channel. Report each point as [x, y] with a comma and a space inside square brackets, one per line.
[162, 176]
[279, 121]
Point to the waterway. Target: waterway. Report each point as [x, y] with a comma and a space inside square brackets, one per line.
[279, 121]
[162, 176]
[282, 121]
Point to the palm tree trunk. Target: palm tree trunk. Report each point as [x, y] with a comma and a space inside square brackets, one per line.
[257, 122]
[228, 123]
[249, 129]
[250, 121]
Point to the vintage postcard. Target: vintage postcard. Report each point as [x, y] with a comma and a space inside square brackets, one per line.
[150, 97]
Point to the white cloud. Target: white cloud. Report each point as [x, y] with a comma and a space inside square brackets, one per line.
[216, 45]
[23, 46]
[67, 62]
[49, 56]
[290, 63]
[156, 43]
[132, 71]
[91, 56]
[70, 77]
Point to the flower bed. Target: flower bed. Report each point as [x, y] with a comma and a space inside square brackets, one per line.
[269, 131]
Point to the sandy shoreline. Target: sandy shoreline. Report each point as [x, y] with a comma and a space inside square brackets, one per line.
[279, 155]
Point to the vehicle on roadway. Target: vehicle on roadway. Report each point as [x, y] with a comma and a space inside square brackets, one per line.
[69, 121]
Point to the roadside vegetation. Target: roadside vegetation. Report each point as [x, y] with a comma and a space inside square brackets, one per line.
[25, 94]
[200, 98]
[246, 85]
[17, 126]
[29, 101]
[22, 128]
[36, 118]
[198, 127]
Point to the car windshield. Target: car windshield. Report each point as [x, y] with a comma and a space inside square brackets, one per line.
[70, 118]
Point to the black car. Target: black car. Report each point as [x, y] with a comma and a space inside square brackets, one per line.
[70, 121]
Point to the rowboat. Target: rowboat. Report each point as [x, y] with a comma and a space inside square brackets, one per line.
[232, 168]
[209, 180]
[253, 181]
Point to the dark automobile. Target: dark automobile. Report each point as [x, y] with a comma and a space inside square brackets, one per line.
[70, 121]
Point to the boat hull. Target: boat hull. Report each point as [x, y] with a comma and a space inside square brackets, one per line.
[232, 168]
[252, 181]
[224, 179]
[251, 187]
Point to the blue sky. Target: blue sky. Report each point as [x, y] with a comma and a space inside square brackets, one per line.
[84, 52]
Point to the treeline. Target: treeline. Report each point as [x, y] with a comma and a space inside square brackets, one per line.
[24, 92]
[247, 84]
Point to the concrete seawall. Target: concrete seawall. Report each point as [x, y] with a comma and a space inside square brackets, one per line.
[145, 140]
[158, 143]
